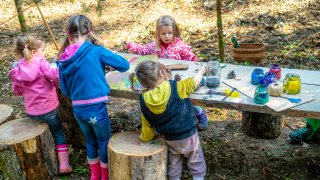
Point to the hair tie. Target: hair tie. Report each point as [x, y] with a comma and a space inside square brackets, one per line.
[26, 46]
[89, 31]
[275, 89]
[68, 33]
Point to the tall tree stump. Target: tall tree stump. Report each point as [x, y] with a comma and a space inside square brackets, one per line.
[71, 128]
[262, 125]
[5, 113]
[130, 158]
[27, 150]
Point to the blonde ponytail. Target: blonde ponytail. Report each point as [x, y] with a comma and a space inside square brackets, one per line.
[27, 54]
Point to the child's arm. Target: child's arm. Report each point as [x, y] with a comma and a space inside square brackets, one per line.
[117, 62]
[63, 85]
[48, 71]
[147, 131]
[141, 49]
[188, 86]
[15, 88]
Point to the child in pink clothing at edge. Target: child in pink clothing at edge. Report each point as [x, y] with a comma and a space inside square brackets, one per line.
[167, 44]
[33, 78]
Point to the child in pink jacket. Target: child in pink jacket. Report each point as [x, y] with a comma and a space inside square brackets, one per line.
[33, 78]
[167, 44]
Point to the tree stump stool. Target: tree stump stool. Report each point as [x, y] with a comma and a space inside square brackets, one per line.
[130, 158]
[260, 125]
[27, 150]
[5, 113]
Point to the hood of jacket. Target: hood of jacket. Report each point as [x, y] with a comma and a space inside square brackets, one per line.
[157, 99]
[71, 59]
[26, 71]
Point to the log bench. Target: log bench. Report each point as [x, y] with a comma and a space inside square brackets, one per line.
[27, 150]
[5, 113]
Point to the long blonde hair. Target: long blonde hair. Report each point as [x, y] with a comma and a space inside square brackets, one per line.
[25, 44]
[166, 20]
[77, 26]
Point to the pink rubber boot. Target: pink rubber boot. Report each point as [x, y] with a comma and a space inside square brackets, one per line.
[95, 169]
[104, 171]
[63, 156]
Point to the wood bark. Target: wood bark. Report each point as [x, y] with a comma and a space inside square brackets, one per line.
[5, 113]
[27, 150]
[21, 17]
[220, 31]
[71, 128]
[262, 125]
[130, 158]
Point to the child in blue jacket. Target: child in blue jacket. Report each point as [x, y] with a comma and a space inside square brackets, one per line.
[82, 78]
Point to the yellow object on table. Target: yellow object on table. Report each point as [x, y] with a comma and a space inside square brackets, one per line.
[292, 84]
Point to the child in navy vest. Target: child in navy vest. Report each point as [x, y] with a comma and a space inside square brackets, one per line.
[168, 44]
[167, 109]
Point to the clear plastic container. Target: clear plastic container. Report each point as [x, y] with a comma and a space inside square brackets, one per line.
[213, 72]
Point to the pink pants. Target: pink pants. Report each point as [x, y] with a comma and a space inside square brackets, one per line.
[189, 148]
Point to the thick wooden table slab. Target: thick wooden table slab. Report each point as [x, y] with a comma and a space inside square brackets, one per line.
[243, 103]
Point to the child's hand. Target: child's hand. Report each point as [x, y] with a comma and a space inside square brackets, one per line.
[123, 46]
[202, 70]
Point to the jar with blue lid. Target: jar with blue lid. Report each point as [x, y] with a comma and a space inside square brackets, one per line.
[269, 78]
[257, 76]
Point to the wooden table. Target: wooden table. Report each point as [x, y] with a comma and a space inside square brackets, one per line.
[310, 87]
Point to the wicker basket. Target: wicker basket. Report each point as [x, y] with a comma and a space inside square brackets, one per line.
[251, 52]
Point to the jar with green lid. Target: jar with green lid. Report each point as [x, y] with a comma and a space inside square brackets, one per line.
[292, 84]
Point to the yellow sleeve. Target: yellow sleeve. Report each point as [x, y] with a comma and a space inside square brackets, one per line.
[186, 87]
[147, 131]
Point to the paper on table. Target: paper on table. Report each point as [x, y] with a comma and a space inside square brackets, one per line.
[276, 103]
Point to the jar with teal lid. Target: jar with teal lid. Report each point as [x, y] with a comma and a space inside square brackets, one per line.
[261, 95]
[292, 84]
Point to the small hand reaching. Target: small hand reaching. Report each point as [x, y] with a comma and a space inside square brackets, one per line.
[202, 70]
[123, 46]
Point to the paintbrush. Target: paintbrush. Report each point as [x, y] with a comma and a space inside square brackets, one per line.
[226, 93]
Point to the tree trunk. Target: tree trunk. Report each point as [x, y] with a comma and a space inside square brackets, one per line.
[71, 128]
[5, 113]
[22, 19]
[220, 31]
[130, 158]
[100, 5]
[27, 150]
[262, 125]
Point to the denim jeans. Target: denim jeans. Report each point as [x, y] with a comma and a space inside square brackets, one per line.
[95, 125]
[52, 119]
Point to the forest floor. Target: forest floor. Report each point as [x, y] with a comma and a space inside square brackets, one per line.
[290, 30]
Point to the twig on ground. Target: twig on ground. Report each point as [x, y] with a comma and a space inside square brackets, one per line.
[289, 126]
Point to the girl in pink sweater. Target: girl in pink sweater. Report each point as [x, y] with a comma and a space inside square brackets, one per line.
[33, 78]
[167, 44]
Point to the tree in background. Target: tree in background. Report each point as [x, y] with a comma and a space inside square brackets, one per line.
[22, 19]
[220, 31]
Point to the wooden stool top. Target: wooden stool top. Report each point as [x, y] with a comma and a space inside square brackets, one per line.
[20, 130]
[5, 112]
[129, 143]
